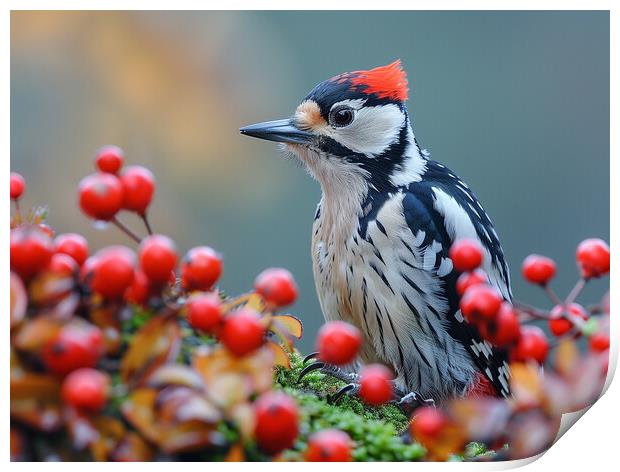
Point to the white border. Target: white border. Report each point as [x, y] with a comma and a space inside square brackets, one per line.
[591, 444]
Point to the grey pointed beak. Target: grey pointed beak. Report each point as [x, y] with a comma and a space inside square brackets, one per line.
[281, 131]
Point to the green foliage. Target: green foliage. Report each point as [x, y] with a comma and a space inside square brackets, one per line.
[376, 431]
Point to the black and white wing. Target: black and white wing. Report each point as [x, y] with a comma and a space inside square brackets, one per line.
[439, 210]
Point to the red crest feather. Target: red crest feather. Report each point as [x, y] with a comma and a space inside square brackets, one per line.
[385, 82]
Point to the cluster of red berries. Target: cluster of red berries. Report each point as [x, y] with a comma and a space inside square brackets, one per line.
[498, 321]
[119, 275]
[103, 194]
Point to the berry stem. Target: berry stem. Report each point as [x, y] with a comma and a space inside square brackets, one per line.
[126, 230]
[574, 293]
[146, 223]
[530, 310]
[552, 295]
[18, 213]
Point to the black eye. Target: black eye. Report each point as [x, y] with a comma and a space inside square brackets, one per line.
[341, 116]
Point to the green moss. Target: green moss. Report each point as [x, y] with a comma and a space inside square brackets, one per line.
[376, 431]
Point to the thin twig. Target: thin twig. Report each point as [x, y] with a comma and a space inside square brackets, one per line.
[552, 296]
[147, 224]
[574, 293]
[530, 310]
[126, 230]
[18, 211]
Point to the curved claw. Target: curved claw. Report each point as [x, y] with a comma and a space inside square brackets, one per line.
[347, 389]
[414, 398]
[312, 355]
[310, 368]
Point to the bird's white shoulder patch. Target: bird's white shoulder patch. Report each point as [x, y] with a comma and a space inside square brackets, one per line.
[459, 226]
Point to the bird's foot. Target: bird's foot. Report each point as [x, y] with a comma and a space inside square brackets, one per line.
[327, 369]
[349, 378]
[409, 401]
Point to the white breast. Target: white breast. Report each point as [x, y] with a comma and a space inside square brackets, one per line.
[371, 282]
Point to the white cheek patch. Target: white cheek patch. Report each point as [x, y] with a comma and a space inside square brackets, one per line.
[372, 130]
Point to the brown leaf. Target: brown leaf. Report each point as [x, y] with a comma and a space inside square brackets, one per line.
[133, 449]
[230, 380]
[531, 432]
[35, 401]
[139, 410]
[280, 356]
[249, 300]
[187, 437]
[566, 356]
[526, 384]
[235, 454]
[17, 442]
[243, 416]
[34, 334]
[110, 433]
[19, 300]
[482, 419]
[288, 324]
[175, 374]
[107, 319]
[156, 343]
[179, 404]
[49, 288]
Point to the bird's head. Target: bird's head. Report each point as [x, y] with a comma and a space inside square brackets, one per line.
[353, 122]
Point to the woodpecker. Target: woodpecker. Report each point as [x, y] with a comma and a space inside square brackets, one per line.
[386, 220]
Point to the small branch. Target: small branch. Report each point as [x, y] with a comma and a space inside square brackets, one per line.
[531, 311]
[552, 296]
[126, 230]
[146, 223]
[574, 293]
[18, 212]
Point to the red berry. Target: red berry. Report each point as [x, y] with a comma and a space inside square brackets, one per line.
[277, 422]
[243, 332]
[139, 290]
[204, 312]
[201, 268]
[532, 345]
[504, 329]
[31, 251]
[538, 269]
[466, 255]
[74, 346]
[338, 342]
[480, 303]
[109, 159]
[86, 389]
[427, 423]
[329, 445]
[599, 342]
[113, 271]
[376, 384]
[62, 265]
[18, 185]
[158, 257]
[138, 187]
[593, 258]
[101, 196]
[560, 325]
[72, 244]
[276, 286]
[467, 279]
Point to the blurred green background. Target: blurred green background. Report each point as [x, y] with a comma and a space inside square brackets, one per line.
[517, 103]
